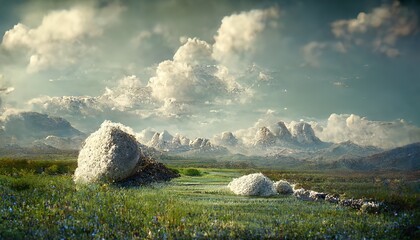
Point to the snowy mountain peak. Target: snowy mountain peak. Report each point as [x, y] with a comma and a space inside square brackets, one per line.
[228, 139]
[304, 134]
[155, 141]
[264, 137]
[280, 131]
[165, 136]
[200, 143]
[176, 141]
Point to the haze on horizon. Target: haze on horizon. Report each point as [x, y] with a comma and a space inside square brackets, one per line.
[204, 67]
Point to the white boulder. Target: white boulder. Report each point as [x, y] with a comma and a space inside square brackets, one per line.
[283, 187]
[110, 154]
[252, 185]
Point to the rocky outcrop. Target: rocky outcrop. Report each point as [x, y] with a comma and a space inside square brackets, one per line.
[149, 171]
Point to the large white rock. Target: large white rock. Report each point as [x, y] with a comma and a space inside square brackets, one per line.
[252, 185]
[110, 154]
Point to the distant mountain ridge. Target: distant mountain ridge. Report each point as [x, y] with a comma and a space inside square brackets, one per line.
[27, 128]
[278, 144]
[181, 145]
[400, 158]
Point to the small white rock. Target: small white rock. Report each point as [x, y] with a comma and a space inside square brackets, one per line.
[283, 187]
[252, 185]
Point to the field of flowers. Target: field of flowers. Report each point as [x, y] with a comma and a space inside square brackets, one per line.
[40, 201]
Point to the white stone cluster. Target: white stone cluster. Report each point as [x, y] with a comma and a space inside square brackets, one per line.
[110, 154]
[259, 185]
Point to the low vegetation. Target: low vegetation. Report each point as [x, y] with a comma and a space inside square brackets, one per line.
[38, 201]
[191, 172]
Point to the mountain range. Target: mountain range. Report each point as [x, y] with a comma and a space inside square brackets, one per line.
[29, 128]
[278, 144]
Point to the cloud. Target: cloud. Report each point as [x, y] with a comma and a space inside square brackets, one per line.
[58, 40]
[340, 84]
[194, 77]
[128, 98]
[360, 130]
[312, 52]
[189, 85]
[238, 32]
[81, 106]
[172, 108]
[380, 29]
[194, 52]
[128, 94]
[5, 89]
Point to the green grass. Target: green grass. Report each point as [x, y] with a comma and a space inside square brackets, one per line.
[399, 190]
[191, 172]
[47, 205]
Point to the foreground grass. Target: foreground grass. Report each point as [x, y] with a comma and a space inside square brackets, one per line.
[49, 206]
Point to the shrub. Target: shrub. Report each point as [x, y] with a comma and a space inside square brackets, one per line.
[252, 185]
[52, 170]
[370, 207]
[20, 185]
[192, 172]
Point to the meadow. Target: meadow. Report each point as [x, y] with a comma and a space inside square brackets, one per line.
[40, 201]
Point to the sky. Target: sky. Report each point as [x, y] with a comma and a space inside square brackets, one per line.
[204, 67]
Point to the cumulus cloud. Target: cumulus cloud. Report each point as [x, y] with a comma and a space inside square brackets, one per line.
[238, 32]
[129, 97]
[194, 52]
[128, 94]
[193, 76]
[67, 105]
[191, 83]
[360, 130]
[197, 75]
[381, 28]
[172, 108]
[58, 39]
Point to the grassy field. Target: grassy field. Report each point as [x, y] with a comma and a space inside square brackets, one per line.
[40, 201]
